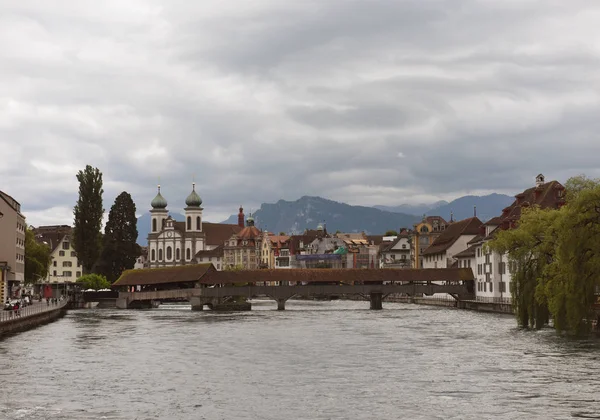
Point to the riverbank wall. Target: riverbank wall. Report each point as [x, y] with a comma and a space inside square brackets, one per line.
[472, 305]
[25, 323]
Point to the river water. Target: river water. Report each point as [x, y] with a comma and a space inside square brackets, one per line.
[316, 360]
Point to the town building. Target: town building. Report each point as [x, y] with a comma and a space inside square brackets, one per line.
[275, 251]
[242, 249]
[12, 246]
[64, 265]
[142, 260]
[396, 253]
[173, 243]
[423, 235]
[454, 239]
[493, 271]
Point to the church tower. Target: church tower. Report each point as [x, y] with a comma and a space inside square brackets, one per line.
[158, 213]
[194, 238]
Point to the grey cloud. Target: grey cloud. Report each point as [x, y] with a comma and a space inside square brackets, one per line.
[267, 100]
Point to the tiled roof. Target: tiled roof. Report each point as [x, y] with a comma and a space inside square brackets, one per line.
[166, 275]
[376, 239]
[546, 196]
[51, 235]
[278, 239]
[218, 233]
[467, 253]
[337, 275]
[452, 233]
[249, 232]
[216, 252]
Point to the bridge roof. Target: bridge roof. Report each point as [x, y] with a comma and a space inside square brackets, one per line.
[165, 275]
[326, 275]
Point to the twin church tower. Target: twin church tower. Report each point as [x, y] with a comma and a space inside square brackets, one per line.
[172, 243]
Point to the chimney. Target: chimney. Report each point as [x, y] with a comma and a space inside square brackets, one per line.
[241, 218]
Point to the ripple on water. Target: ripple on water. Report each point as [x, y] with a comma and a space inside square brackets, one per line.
[316, 360]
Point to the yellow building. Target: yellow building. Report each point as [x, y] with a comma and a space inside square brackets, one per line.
[425, 232]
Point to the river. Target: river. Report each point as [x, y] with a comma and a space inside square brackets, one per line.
[315, 360]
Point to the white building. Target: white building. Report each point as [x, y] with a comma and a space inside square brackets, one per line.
[397, 253]
[173, 243]
[441, 253]
[493, 270]
[64, 265]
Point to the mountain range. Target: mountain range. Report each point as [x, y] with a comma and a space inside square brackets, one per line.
[293, 217]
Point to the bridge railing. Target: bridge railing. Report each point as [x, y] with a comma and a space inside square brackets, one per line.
[34, 309]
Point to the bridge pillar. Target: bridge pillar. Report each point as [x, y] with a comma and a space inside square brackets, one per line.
[376, 299]
[197, 303]
[281, 304]
[122, 303]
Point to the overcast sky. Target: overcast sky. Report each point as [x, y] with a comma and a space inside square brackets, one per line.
[366, 102]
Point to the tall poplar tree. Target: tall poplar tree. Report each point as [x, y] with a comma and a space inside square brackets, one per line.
[120, 248]
[88, 214]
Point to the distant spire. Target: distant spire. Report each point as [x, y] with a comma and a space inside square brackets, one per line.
[474, 211]
[451, 217]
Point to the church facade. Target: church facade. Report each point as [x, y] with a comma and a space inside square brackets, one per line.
[172, 243]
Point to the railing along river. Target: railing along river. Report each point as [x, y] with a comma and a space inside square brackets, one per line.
[33, 309]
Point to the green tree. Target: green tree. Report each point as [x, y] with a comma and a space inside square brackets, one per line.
[574, 274]
[37, 258]
[88, 214]
[93, 281]
[557, 257]
[530, 250]
[391, 233]
[120, 248]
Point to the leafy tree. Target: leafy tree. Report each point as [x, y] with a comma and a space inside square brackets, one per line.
[391, 233]
[530, 250]
[281, 233]
[88, 214]
[120, 248]
[557, 253]
[37, 258]
[93, 281]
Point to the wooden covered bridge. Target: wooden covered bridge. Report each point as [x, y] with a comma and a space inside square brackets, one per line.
[202, 285]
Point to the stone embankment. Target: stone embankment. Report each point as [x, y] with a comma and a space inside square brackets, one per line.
[474, 305]
[31, 317]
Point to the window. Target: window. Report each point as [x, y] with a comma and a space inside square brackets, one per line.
[502, 286]
[54, 273]
[177, 254]
[169, 253]
[152, 255]
[403, 246]
[54, 263]
[198, 223]
[66, 245]
[218, 266]
[153, 225]
[73, 254]
[424, 229]
[78, 274]
[189, 223]
[160, 255]
[67, 264]
[61, 253]
[163, 223]
[187, 254]
[67, 274]
[491, 287]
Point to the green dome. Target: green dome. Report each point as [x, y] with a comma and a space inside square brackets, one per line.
[193, 200]
[320, 227]
[159, 201]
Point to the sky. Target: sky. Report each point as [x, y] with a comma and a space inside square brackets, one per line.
[365, 102]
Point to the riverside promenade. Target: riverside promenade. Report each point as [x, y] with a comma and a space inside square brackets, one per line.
[38, 313]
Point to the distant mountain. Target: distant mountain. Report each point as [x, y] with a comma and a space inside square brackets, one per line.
[143, 226]
[416, 209]
[293, 217]
[488, 206]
